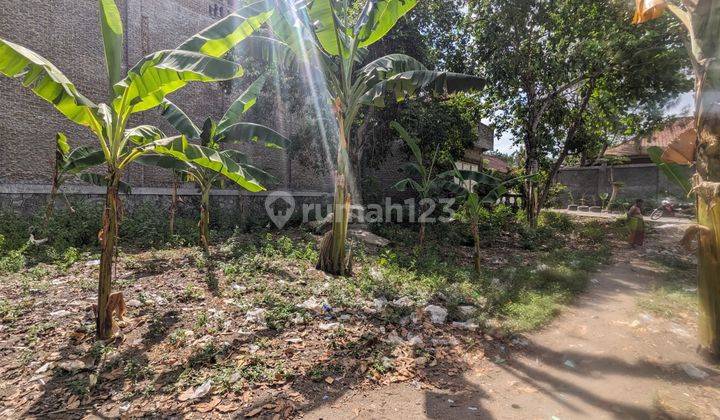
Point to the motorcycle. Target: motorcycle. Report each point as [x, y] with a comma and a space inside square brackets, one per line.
[666, 208]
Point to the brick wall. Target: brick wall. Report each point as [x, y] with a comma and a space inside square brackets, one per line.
[67, 33]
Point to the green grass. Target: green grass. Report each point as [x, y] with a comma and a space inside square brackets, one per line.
[675, 292]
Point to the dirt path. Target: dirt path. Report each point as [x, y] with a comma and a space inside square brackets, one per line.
[602, 358]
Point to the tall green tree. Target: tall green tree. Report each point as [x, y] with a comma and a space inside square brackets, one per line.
[144, 87]
[336, 38]
[549, 63]
[701, 21]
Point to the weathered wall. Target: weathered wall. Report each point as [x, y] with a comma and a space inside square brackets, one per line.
[640, 181]
[67, 33]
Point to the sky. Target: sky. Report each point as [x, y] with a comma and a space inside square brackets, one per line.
[681, 106]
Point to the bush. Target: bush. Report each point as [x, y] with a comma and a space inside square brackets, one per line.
[13, 262]
[558, 221]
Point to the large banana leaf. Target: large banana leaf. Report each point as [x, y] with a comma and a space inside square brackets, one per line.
[672, 171]
[47, 82]
[242, 104]
[269, 50]
[328, 28]
[378, 17]
[82, 158]
[62, 145]
[410, 141]
[165, 162]
[164, 72]
[101, 181]
[112, 32]
[179, 148]
[221, 37]
[242, 160]
[143, 134]
[245, 131]
[178, 119]
[387, 66]
[403, 185]
[405, 84]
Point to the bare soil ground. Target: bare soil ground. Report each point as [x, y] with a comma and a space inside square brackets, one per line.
[319, 350]
[605, 357]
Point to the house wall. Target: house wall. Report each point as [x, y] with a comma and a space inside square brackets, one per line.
[67, 33]
[640, 181]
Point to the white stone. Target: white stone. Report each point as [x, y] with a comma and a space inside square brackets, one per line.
[437, 314]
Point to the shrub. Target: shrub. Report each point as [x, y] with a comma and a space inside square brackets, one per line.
[558, 221]
[13, 262]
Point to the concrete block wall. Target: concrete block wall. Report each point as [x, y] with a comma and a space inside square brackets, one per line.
[640, 181]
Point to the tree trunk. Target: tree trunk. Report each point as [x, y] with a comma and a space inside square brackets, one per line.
[421, 237]
[530, 192]
[204, 224]
[108, 241]
[476, 239]
[613, 196]
[333, 256]
[569, 138]
[51, 201]
[173, 205]
[705, 57]
[707, 185]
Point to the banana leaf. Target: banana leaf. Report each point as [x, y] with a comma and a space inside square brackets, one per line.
[47, 82]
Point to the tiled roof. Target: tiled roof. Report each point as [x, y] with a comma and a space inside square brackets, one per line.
[496, 164]
[662, 138]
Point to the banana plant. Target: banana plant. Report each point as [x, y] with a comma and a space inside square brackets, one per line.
[472, 209]
[422, 179]
[335, 39]
[701, 19]
[71, 163]
[143, 87]
[229, 130]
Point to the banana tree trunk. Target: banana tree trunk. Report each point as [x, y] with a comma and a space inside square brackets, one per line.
[333, 255]
[476, 239]
[173, 206]
[707, 186]
[108, 241]
[51, 200]
[204, 224]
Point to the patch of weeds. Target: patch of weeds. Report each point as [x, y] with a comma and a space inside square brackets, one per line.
[12, 262]
[532, 310]
[191, 293]
[257, 369]
[557, 221]
[675, 292]
[79, 387]
[593, 231]
[69, 257]
[198, 259]
[179, 337]
[136, 370]
[36, 331]
[99, 349]
[206, 355]
[201, 321]
[26, 356]
[8, 311]
[284, 246]
[279, 312]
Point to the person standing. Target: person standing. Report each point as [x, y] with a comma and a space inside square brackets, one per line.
[636, 223]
